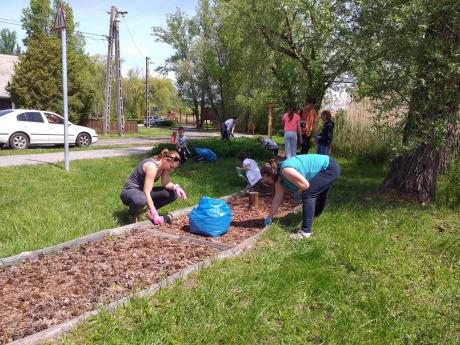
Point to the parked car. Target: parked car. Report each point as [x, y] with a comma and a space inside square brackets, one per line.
[20, 128]
[152, 120]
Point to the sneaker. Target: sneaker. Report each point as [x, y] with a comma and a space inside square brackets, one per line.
[300, 235]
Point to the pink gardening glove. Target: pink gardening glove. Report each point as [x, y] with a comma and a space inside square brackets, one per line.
[155, 217]
[180, 192]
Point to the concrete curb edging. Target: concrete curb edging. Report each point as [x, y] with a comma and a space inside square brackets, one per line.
[58, 330]
[19, 258]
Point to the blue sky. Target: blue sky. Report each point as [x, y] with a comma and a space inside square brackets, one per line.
[92, 17]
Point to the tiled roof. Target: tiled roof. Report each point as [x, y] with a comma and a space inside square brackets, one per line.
[6, 72]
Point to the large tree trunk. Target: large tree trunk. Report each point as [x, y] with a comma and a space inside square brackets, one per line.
[430, 134]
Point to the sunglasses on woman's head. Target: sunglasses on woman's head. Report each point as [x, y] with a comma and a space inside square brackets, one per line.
[175, 159]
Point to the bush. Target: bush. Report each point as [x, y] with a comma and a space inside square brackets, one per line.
[226, 148]
[165, 123]
[449, 186]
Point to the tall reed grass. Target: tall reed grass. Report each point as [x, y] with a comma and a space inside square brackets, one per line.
[363, 139]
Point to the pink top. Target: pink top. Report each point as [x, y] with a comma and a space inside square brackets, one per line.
[291, 125]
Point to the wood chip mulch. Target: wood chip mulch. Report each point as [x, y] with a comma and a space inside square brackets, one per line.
[51, 289]
[246, 222]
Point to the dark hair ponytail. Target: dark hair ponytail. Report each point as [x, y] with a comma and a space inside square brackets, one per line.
[291, 111]
[271, 169]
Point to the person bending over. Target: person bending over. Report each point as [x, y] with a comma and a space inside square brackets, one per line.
[227, 128]
[310, 175]
[268, 144]
[139, 191]
[250, 172]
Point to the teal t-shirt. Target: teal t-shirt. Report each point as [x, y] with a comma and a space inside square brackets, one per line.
[308, 165]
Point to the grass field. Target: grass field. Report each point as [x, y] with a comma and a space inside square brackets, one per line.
[378, 271]
[43, 205]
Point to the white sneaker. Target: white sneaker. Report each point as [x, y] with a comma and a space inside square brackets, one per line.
[300, 235]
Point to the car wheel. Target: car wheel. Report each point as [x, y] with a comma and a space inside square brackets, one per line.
[19, 141]
[83, 139]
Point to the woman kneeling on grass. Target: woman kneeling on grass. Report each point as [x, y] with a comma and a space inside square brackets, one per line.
[139, 191]
[309, 175]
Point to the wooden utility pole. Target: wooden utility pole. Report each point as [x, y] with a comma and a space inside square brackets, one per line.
[114, 36]
[108, 79]
[270, 107]
[147, 93]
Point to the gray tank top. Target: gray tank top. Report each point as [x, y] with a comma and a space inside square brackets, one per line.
[137, 177]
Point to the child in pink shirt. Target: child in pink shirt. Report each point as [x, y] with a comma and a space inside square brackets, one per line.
[291, 126]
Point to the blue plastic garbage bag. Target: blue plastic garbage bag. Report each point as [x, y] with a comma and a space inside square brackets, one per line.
[206, 153]
[211, 217]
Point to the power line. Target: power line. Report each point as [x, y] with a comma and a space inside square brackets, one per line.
[91, 34]
[132, 39]
[10, 20]
[5, 22]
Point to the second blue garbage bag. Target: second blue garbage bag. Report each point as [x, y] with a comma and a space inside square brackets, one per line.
[211, 217]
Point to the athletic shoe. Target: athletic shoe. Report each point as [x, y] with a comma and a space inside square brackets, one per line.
[300, 235]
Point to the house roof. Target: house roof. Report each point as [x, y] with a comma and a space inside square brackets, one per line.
[7, 63]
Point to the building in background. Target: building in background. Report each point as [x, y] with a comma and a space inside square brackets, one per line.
[7, 64]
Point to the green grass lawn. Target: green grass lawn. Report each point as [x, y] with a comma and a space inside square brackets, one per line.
[42, 205]
[143, 132]
[378, 271]
[36, 150]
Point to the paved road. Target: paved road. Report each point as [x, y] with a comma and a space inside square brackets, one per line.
[54, 157]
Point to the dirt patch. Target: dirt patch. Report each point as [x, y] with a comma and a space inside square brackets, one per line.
[51, 289]
[245, 222]
[54, 288]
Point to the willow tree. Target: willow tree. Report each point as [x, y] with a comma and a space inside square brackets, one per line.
[409, 57]
[314, 34]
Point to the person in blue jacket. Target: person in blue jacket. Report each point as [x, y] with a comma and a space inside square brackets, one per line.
[309, 175]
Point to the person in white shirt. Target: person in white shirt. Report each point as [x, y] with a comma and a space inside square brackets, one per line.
[250, 172]
[228, 127]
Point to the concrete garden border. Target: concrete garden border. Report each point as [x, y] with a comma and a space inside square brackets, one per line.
[58, 330]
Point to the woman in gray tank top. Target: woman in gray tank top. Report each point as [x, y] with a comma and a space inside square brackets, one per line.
[139, 192]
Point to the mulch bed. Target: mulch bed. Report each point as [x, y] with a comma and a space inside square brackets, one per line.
[246, 222]
[51, 289]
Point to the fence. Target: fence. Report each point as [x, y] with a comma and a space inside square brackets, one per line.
[130, 126]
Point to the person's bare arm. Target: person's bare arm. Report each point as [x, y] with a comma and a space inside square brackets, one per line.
[150, 170]
[165, 181]
[296, 178]
[277, 199]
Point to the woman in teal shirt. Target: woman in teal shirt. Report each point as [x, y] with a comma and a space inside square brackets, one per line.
[309, 175]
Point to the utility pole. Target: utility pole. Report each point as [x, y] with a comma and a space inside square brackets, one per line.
[108, 79]
[147, 93]
[114, 36]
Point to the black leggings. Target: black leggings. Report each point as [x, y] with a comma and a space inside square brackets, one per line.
[315, 197]
[136, 199]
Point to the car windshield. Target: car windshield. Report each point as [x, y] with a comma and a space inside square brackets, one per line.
[6, 111]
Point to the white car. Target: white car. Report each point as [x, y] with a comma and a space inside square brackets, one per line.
[20, 128]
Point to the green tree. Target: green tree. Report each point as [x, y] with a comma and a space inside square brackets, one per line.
[314, 35]
[8, 42]
[180, 33]
[408, 57]
[37, 82]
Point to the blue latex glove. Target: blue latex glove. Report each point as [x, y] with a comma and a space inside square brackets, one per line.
[297, 196]
[267, 221]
